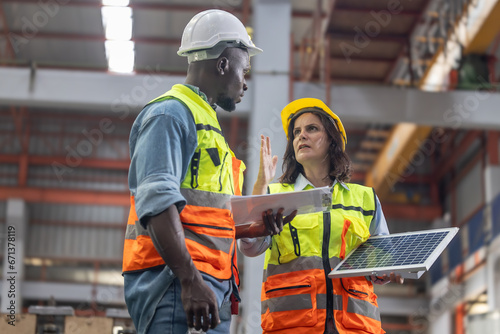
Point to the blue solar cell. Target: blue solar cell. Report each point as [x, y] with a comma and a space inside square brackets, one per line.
[397, 250]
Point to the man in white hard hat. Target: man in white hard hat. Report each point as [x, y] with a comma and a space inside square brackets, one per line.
[179, 259]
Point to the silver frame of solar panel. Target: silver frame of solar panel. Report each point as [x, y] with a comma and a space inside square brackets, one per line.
[414, 271]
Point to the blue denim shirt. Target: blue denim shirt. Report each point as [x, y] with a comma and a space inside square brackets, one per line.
[162, 141]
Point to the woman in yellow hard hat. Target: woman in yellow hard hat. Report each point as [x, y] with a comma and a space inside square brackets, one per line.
[297, 295]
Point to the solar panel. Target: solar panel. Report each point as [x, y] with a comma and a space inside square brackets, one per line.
[407, 254]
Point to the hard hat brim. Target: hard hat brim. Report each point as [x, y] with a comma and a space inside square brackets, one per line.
[295, 106]
[252, 49]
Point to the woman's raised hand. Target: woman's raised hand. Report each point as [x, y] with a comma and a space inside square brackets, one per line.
[267, 167]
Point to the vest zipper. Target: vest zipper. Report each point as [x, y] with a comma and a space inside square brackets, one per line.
[330, 323]
[356, 293]
[290, 287]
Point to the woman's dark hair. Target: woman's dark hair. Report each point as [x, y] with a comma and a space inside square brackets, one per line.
[340, 164]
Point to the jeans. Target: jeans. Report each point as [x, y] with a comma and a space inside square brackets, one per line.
[153, 299]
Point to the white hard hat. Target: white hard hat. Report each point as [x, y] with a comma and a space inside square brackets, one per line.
[210, 32]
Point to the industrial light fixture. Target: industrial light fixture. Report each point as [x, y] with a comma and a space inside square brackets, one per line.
[117, 22]
[122, 3]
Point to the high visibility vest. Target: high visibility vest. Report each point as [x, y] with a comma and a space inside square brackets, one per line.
[213, 176]
[297, 295]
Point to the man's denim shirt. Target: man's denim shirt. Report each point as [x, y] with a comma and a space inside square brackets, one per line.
[162, 141]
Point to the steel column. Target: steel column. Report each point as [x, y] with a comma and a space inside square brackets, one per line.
[270, 84]
[14, 234]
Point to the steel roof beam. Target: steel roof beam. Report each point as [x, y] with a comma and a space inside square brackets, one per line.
[490, 26]
[400, 149]
[399, 152]
[48, 160]
[124, 95]
[244, 11]
[98, 38]
[392, 105]
[67, 196]
[399, 39]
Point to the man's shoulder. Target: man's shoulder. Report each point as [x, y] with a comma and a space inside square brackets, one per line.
[171, 108]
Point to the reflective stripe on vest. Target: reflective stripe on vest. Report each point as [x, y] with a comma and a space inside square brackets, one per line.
[363, 307]
[299, 302]
[295, 269]
[223, 244]
[205, 198]
[213, 176]
[298, 264]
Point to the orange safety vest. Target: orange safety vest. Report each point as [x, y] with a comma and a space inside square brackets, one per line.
[297, 295]
[213, 176]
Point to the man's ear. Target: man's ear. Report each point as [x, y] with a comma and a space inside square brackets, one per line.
[222, 65]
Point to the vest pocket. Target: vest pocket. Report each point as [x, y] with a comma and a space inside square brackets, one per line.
[210, 174]
[354, 233]
[289, 302]
[299, 238]
[360, 308]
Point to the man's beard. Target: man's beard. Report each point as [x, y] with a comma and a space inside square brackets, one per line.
[226, 103]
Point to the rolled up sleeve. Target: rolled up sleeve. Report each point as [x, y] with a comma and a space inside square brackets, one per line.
[156, 193]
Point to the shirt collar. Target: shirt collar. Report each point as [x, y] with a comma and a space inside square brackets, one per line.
[200, 93]
[301, 183]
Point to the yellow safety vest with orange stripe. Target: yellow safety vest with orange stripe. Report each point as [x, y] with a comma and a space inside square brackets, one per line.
[297, 296]
[213, 176]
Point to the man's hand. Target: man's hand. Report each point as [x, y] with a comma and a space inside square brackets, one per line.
[198, 299]
[274, 224]
[270, 225]
[200, 304]
[393, 278]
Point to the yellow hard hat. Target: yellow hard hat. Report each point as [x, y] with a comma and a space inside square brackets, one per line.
[295, 106]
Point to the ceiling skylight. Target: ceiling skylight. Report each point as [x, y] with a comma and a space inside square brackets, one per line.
[117, 22]
[120, 56]
[122, 3]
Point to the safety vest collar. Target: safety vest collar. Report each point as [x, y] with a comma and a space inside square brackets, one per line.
[199, 92]
[180, 91]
